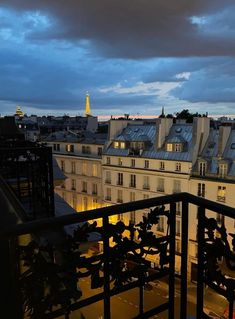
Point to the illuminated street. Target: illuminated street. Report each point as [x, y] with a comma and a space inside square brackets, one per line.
[125, 305]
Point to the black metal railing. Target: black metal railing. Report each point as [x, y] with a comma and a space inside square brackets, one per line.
[27, 168]
[122, 258]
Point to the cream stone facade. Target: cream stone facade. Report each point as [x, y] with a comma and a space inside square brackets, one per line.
[141, 160]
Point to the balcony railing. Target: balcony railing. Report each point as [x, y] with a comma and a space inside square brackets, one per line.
[46, 287]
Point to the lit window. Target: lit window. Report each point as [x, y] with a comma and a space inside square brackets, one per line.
[122, 145]
[169, 147]
[221, 194]
[201, 189]
[178, 167]
[162, 166]
[70, 148]
[116, 145]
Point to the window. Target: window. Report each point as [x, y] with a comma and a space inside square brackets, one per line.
[86, 149]
[169, 147]
[132, 196]
[94, 170]
[160, 225]
[145, 196]
[84, 187]
[108, 160]
[122, 145]
[108, 194]
[73, 184]
[56, 147]
[146, 182]
[108, 177]
[221, 194]
[160, 185]
[99, 151]
[201, 189]
[177, 228]
[84, 168]
[120, 179]
[62, 165]
[132, 162]
[146, 164]
[70, 148]
[178, 167]
[94, 189]
[116, 144]
[119, 196]
[222, 170]
[119, 144]
[202, 169]
[73, 167]
[178, 147]
[119, 161]
[176, 186]
[162, 166]
[132, 180]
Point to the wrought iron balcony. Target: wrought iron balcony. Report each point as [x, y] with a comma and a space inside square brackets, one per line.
[47, 285]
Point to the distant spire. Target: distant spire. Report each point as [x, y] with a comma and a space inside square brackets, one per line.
[19, 111]
[163, 113]
[87, 109]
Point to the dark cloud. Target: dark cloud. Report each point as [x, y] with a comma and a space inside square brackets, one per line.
[135, 29]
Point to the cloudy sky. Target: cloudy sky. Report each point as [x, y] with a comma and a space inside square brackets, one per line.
[132, 56]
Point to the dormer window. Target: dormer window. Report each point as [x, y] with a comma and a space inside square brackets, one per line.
[174, 147]
[222, 170]
[118, 144]
[70, 148]
[202, 168]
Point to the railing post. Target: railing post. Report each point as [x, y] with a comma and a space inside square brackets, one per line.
[184, 260]
[200, 261]
[172, 217]
[107, 313]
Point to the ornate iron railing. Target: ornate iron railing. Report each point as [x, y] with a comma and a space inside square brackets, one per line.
[47, 284]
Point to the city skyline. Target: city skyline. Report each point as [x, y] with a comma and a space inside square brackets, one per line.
[131, 59]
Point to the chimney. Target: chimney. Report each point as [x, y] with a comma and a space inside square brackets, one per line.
[224, 132]
[201, 130]
[116, 126]
[163, 126]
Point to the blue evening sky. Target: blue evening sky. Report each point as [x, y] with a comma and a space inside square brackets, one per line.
[132, 56]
